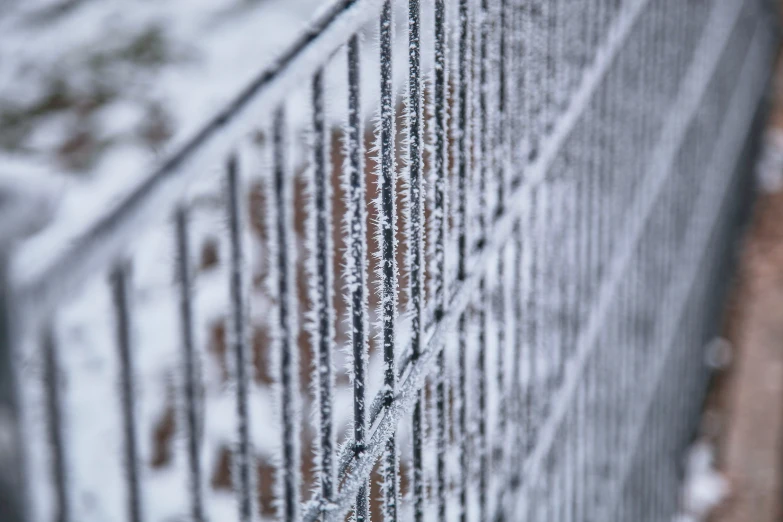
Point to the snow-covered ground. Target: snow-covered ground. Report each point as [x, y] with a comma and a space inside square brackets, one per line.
[91, 87]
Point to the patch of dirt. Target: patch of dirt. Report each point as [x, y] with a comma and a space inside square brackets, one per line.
[745, 405]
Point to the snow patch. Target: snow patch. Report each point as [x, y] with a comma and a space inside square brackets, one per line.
[704, 487]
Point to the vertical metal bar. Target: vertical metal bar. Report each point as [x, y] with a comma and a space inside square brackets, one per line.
[581, 453]
[522, 75]
[569, 472]
[537, 65]
[550, 65]
[584, 208]
[593, 205]
[289, 367]
[387, 230]
[321, 294]
[516, 459]
[560, 91]
[481, 370]
[514, 108]
[461, 218]
[544, 286]
[579, 298]
[626, 306]
[533, 397]
[501, 438]
[239, 341]
[567, 81]
[605, 164]
[439, 228]
[190, 365]
[597, 16]
[120, 280]
[535, 83]
[589, 30]
[559, 456]
[563, 326]
[483, 144]
[477, 205]
[632, 128]
[415, 239]
[13, 485]
[592, 209]
[609, 385]
[644, 86]
[574, 254]
[462, 144]
[503, 118]
[441, 440]
[356, 268]
[53, 385]
[544, 499]
[440, 160]
[561, 271]
[462, 418]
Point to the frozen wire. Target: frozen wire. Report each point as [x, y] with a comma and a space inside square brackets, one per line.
[462, 418]
[461, 218]
[238, 341]
[483, 123]
[387, 229]
[481, 370]
[54, 418]
[120, 281]
[501, 156]
[499, 453]
[462, 139]
[288, 473]
[439, 228]
[415, 221]
[191, 389]
[321, 293]
[356, 266]
[520, 358]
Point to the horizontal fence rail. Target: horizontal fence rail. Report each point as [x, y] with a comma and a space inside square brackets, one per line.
[469, 278]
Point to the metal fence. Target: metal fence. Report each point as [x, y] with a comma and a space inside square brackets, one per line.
[489, 303]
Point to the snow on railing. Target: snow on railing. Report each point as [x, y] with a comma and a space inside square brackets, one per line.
[548, 216]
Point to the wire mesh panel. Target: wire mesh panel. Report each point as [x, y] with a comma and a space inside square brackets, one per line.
[441, 261]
